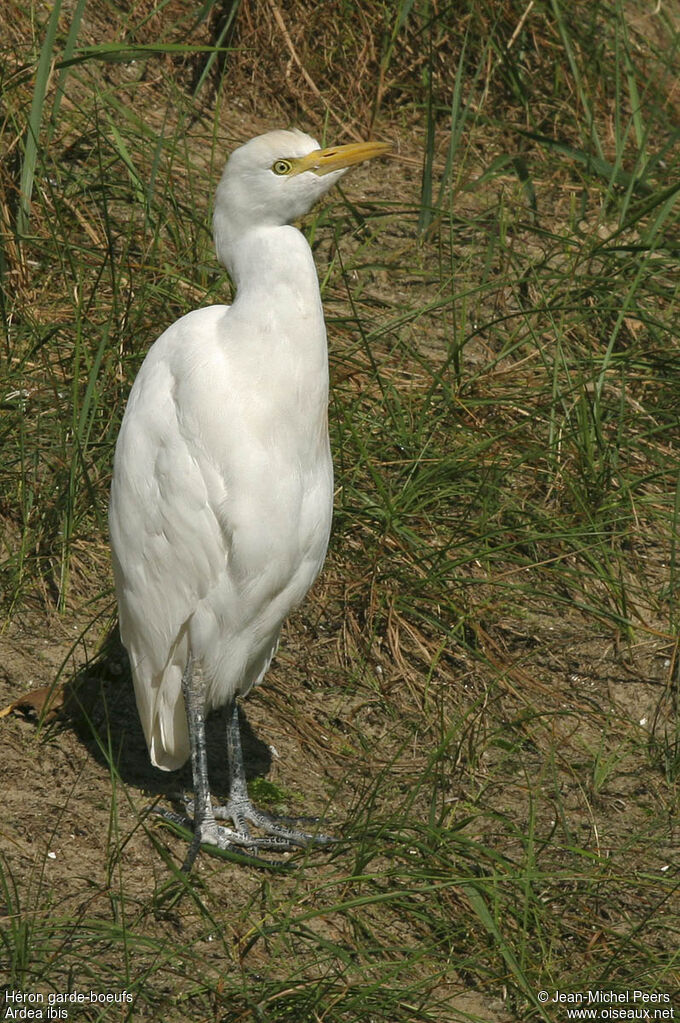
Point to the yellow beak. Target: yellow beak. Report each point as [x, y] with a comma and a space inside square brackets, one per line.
[322, 161]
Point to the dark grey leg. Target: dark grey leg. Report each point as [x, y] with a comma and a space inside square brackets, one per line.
[279, 835]
[205, 827]
[238, 787]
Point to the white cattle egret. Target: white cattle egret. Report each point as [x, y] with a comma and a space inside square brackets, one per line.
[222, 487]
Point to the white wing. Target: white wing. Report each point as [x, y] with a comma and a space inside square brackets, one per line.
[168, 547]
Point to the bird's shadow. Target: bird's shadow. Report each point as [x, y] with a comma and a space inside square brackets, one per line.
[99, 704]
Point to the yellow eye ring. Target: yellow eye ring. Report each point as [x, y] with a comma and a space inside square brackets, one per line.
[281, 167]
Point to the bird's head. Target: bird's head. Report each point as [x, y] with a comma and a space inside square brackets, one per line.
[276, 178]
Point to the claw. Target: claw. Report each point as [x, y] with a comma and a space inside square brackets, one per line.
[226, 841]
[281, 834]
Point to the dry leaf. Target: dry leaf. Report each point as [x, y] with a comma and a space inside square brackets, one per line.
[34, 701]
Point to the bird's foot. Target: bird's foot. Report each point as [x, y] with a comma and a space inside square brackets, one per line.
[280, 834]
[209, 833]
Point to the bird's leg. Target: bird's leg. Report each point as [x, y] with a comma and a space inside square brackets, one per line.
[205, 826]
[240, 810]
[238, 789]
[280, 834]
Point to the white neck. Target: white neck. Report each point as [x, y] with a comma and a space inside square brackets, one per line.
[275, 278]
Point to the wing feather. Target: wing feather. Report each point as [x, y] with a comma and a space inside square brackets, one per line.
[169, 549]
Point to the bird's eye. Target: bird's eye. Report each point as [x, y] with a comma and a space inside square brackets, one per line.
[282, 167]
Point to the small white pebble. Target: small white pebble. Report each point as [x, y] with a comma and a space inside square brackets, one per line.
[643, 721]
[51, 856]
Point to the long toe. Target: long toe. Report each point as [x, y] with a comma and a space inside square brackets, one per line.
[279, 832]
[276, 838]
[209, 833]
[224, 838]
